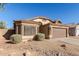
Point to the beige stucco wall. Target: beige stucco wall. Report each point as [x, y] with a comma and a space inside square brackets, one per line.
[27, 37]
[59, 26]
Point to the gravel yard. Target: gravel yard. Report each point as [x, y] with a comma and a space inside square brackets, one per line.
[39, 48]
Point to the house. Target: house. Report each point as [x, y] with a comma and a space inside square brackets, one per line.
[51, 29]
[73, 29]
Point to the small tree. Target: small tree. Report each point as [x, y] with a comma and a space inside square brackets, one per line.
[2, 6]
[2, 24]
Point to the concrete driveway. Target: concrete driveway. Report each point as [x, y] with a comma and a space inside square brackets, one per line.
[69, 40]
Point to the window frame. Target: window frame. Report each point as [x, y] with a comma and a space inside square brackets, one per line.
[29, 30]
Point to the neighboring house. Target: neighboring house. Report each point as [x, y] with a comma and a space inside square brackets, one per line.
[51, 29]
[73, 30]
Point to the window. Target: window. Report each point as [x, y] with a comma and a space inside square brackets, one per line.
[29, 30]
[17, 29]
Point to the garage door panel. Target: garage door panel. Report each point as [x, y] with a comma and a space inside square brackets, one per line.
[59, 32]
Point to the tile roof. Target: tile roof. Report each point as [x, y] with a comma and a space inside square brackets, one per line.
[26, 21]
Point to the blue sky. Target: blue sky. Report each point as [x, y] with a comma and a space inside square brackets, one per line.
[68, 13]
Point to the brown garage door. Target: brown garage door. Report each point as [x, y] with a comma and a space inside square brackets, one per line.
[59, 32]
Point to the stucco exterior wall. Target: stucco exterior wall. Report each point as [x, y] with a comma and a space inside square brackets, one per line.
[26, 37]
[77, 30]
[46, 30]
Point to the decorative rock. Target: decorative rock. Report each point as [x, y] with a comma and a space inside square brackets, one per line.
[24, 54]
[63, 46]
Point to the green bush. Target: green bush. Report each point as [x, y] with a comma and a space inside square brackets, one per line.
[16, 38]
[39, 37]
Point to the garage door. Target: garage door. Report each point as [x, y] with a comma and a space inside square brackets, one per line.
[59, 32]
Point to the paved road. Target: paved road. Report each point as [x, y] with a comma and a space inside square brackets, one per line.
[69, 40]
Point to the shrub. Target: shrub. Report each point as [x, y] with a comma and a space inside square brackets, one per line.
[2, 24]
[16, 38]
[39, 37]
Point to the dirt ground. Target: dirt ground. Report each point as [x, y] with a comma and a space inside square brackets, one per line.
[39, 48]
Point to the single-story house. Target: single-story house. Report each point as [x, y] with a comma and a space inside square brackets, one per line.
[51, 29]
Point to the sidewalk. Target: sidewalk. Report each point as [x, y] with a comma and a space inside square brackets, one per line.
[69, 40]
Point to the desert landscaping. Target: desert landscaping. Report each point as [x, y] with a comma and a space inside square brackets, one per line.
[29, 30]
[39, 37]
[52, 47]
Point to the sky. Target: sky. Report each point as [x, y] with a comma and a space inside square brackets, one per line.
[66, 12]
